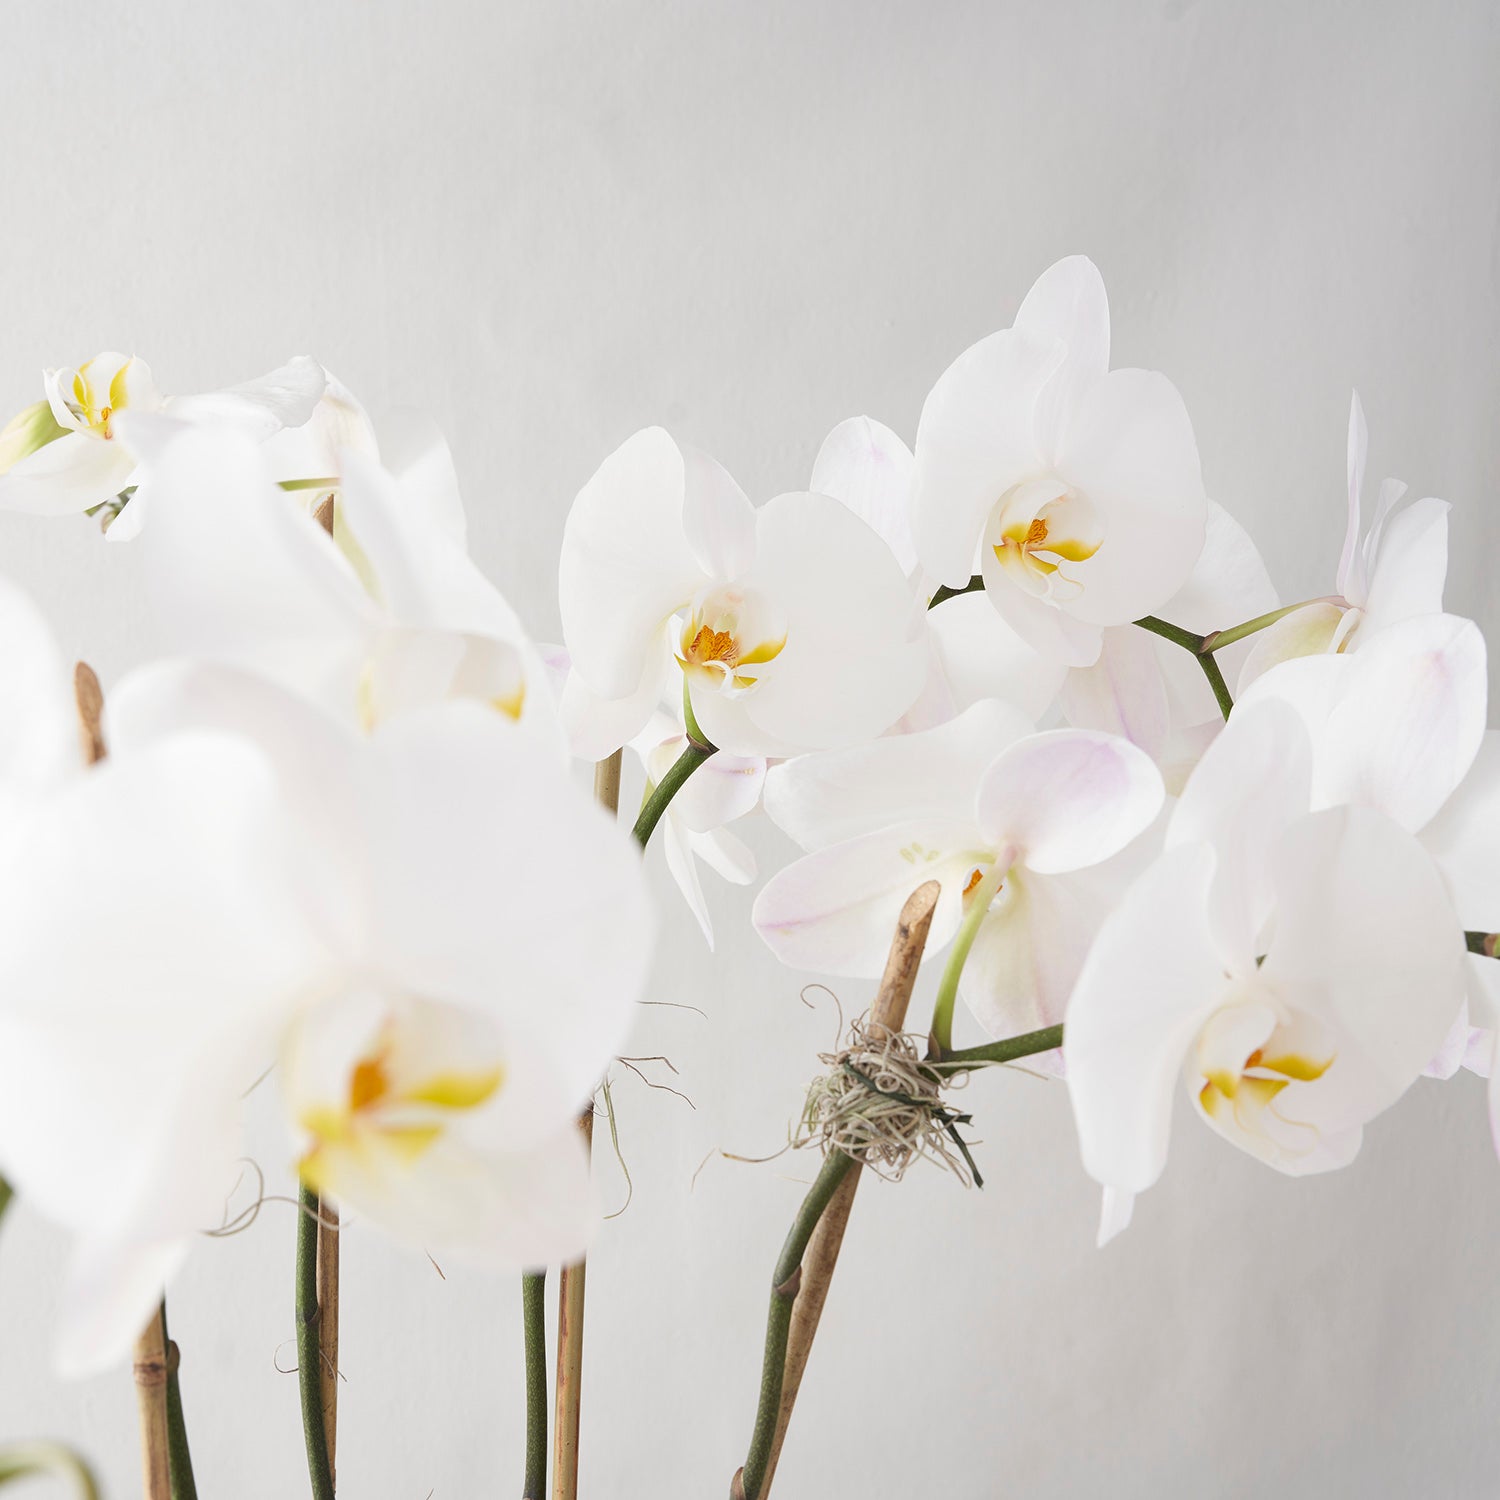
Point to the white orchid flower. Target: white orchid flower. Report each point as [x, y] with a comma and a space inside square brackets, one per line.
[1391, 572]
[1077, 488]
[996, 814]
[70, 453]
[724, 789]
[395, 617]
[791, 626]
[1151, 690]
[972, 653]
[1293, 973]
[392, 919]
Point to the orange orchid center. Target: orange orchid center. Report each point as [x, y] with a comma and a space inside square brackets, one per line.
[727, 635]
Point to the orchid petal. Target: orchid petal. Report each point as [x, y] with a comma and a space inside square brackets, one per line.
[865, 466]
[1068, 798]
[72, 473]
[1067, 303]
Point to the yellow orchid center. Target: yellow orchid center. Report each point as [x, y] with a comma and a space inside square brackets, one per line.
[96, 393]
[1037, 527]
[726, 636]
[386, 1118]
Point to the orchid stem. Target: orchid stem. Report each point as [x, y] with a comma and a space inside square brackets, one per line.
[978, 909]
[5, 1196]
[1198, 645]
[307, 484]
[1216, 640]
[659, 798]
[1009, 1050]
[973, 586]
[534, 1331]
[309, 1351]
[785, 1282]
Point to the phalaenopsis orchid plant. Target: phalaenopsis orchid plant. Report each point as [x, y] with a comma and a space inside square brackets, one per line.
[1021, 693]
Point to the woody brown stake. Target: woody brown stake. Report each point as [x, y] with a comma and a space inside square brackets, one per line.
[572, 1281]
[801, 1280]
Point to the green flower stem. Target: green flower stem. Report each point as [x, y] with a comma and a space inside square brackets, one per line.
[1483, 943]
[785, 1282]
[534, 1324]
[308, 484]
[180, 1459]
[1197, 644]
[1009, 1050]
[979, 906]
[973, 586]
[659, 797]
[309, 1354]
[5, 1196]
[1216, 640]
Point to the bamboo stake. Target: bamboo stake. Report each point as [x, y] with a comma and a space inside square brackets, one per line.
[573, 1279]
[150, 1370]
[887, 1016]
[328, 1248]
[328, 1327]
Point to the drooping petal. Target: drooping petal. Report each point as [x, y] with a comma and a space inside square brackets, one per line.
[834, 795]
[833, 911]
[1151, 979]
[1131, 452]
[974, 442]
[626, 563]
[853, 658]
[865, 466]
[1067, 303]
[1068, 798]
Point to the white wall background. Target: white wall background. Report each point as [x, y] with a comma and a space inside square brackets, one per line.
[550, 224]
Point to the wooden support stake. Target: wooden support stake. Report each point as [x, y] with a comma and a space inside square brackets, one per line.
[150, 1370]
[887, 1016]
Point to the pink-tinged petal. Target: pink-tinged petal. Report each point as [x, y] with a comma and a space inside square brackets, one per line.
[73, 473]
[1464, 839]
[1131, 452]
[1411, 567]
[260, 408]
[1068, 798]
[825, 798]
[1057, 636]
[865, 466]
[833, 911]
[1026, 958]
[1252, 782]
[980, 656]
[1350, 582]
[974, 442]
[1123, 693]
[1068, 303]
[1409, 722]
[1367, 945]
[1449, 1057]
[1309, 631]
[718, 519]
[854, 658]
[626, 563]
[1150, 981]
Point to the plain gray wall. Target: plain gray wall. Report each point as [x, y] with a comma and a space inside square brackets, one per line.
[550, 224]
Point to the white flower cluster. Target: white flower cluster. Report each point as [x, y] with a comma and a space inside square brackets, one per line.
[1190, 840]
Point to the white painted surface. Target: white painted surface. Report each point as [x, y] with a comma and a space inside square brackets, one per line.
[550, 224]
